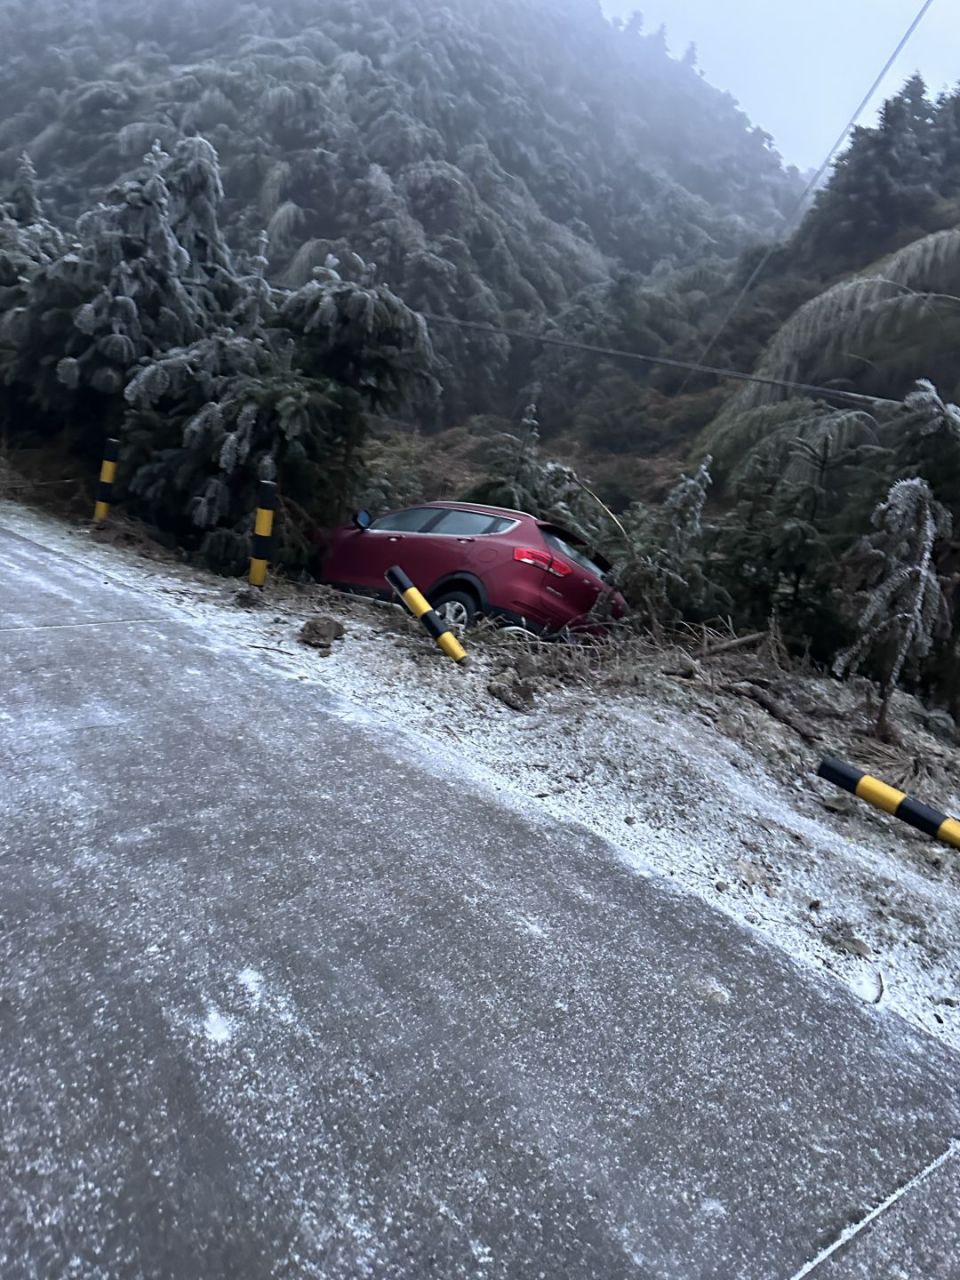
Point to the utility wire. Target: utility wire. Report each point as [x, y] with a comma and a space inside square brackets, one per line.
[735, 375]
[810, 188]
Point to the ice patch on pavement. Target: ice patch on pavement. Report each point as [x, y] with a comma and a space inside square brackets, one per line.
[532, 927]
[252, 982]
[216, 1027]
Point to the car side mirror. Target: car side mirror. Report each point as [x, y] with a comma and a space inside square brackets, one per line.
[363, 520]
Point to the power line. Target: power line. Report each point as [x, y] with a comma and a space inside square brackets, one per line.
[735, 375]
[811, 187]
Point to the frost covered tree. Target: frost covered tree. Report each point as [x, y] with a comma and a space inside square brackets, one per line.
[493, 160]
[24, 199]
[903, 604]
[90, 312]
[683, 514]
[802, 478]
[660, 560]
[926, 443]
[521, 480]
[284, 400]
[885, 185]
[207, 422]
[144, 326]
[871, 333]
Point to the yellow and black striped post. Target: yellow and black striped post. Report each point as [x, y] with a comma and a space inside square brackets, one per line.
[108, 474]
[890, 800]
[263, 533]
[419, 606]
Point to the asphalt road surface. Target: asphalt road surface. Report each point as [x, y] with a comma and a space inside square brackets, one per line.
[281, 995]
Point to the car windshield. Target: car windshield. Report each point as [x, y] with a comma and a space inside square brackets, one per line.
[557, 542]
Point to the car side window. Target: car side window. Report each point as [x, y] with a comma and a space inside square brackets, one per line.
[413, 520]
[470, 524]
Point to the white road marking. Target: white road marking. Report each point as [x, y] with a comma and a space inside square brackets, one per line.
[849, 1233]
[72, 626]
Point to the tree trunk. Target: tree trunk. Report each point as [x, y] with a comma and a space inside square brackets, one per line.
[884, 732]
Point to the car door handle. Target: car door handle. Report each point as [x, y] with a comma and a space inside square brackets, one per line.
[396, 538]
[465, 539]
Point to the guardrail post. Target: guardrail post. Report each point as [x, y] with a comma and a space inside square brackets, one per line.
[419, 606]
[108, 474]
[262, 550]
[930, 821]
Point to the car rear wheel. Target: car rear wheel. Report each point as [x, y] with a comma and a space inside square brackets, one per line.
[456, 608]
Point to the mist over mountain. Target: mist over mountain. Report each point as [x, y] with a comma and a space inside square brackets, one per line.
[493, 159]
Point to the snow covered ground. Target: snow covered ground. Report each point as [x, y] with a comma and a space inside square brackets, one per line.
[685, 781]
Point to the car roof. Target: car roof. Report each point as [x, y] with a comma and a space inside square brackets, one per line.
[485, 509]
[478, 506]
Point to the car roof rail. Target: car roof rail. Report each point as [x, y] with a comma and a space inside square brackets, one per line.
[453, 504]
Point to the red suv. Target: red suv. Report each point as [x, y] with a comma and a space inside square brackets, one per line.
[471, 560]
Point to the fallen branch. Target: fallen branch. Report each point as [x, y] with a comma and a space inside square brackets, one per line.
[728, 646]
[36, 484]
[745, 689]
[603, 506]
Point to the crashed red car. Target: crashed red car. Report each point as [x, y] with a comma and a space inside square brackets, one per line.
[472, 560]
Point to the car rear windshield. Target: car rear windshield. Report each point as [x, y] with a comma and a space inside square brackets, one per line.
[557, 542]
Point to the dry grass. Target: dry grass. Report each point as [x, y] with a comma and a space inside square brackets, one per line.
[38, 478]
[743, 683]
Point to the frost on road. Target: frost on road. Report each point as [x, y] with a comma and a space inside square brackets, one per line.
[718, 799]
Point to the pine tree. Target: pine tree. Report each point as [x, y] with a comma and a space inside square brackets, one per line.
[661, 563]
[24, 199]
[946, 132]
[144, 327]
[904, 607]
[521, 480]
[285, 400]
[926, 442]
[884, 187]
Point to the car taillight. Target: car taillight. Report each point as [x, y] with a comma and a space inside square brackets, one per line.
[542, 560]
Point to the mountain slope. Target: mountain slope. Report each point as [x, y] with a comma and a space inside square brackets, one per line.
[493, 159]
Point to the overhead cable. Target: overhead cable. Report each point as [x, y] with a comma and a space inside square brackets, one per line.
[734, 375]
[811, 186]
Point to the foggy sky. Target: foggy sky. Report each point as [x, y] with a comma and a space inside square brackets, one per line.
[800, 67]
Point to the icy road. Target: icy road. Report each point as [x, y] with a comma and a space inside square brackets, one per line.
[280, 997]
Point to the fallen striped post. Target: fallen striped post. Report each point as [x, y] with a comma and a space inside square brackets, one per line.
[890, 800]
[263, 533]
[108, 473]
[419, 606]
